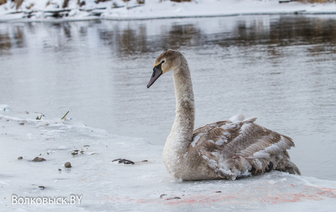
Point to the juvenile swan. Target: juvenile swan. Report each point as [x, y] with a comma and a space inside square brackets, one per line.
[221, 150]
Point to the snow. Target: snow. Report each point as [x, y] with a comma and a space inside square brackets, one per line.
[196, 139]
[220, 142]
[156, 9]
[104, 185]
[261, 154]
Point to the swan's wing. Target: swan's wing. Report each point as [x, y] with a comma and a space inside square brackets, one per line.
[240, 147]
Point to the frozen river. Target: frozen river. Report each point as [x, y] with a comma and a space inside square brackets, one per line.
[278, 68]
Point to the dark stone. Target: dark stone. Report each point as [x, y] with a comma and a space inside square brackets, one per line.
[37, 159]
[124, 161]
[67, 165]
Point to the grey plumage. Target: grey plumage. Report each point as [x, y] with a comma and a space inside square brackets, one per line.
[228, 149]
[235, 149]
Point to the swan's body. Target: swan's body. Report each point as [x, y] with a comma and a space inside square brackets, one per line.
[222, 150]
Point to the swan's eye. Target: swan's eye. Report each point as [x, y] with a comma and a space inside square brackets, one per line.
[162, 61]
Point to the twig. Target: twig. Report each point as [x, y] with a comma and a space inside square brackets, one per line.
[65, 116]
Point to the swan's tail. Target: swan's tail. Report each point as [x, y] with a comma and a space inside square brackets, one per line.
[291, 168]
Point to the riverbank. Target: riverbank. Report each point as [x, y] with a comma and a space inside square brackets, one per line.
[36, 177]
[154, 9]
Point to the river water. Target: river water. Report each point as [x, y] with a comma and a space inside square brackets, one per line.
[278, 68]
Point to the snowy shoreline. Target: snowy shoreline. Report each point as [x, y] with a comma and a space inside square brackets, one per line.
[107, 186]
[154, 9]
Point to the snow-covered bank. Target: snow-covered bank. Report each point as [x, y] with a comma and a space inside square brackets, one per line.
[155, 9]
[144, 186]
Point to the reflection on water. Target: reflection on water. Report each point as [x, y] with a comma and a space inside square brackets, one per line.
[278, 68]
[286, 31]
[133, 38]
[12, 38]
[5, 42]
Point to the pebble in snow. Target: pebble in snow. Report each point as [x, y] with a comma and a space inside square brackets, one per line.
[37, 159]
[67, 165]
[125, 161]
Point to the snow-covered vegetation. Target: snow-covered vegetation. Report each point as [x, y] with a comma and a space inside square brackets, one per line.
[150, 9]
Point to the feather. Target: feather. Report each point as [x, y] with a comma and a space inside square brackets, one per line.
[239, 146]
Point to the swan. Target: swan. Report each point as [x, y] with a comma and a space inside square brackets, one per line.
[228, 149]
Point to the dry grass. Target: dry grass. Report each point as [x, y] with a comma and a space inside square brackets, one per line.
[3, 2]
[181, 0]
[18, 3]
[65, 3]
[30, 6]
[80, 3]
[97, 1]
[316, 1]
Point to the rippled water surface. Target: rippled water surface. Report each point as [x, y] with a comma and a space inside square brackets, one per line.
[278, 68]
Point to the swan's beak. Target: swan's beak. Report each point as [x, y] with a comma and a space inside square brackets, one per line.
[157, 72]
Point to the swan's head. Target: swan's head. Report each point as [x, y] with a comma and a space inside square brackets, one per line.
[167, 61]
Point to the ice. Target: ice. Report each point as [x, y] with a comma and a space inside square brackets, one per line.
[144, 186]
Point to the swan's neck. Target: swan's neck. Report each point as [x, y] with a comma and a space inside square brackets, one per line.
[185, 106]
[179, 139]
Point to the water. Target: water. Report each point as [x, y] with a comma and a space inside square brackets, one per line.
[278, 68]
